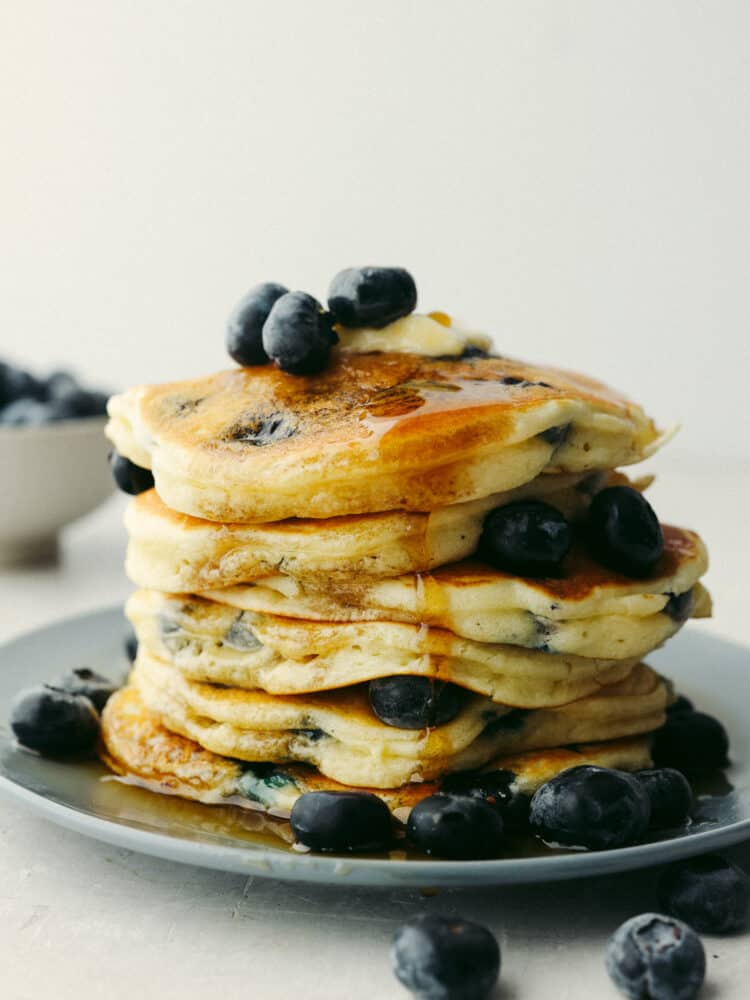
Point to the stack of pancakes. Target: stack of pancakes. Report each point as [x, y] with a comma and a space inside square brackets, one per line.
[308, 536]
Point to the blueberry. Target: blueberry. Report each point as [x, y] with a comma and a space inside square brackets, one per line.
[653, 957]
[59, 385]
[79, 403]
[670, 795]
[708, 892]
[298, 335]
[15, 383]
[55, 723]
[679, 607]
[341, 821]
[130, 643]
[244, 336]
[90, 684]
[679, 705]
[371, 296]
[496, 788]
[456, 826]
[624, 531]
[130, 478]
[408, 702]
[26, 412]
[691, 741]
[588, 806]
[445, 958]
[528, 537]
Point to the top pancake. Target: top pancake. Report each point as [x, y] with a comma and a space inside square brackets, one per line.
[373, 432]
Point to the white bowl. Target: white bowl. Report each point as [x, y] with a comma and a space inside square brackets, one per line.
[51, 474]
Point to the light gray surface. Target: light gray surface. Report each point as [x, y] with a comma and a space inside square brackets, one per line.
[81, 919]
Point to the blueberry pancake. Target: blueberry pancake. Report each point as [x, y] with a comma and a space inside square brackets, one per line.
[339, 733]
[137, 746]
[211, 642]
[372, 432]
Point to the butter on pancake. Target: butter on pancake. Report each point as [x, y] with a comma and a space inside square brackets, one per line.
[374, 432]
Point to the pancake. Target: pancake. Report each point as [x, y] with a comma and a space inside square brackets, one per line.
[374, 432]
[215, 643]
[178, 553]
[337, 733]
[137, 746]
[588, 611]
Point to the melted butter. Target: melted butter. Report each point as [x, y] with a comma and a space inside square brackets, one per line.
[431, 336]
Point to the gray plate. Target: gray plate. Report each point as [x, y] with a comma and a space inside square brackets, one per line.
[82, 797]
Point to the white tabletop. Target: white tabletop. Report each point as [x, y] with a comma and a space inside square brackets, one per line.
[80, 919]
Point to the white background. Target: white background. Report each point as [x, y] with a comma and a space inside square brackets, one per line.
[572, 176]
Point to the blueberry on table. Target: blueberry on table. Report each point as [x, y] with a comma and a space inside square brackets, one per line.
[445, 958]
[624, 531]
[244, 335]
[708, 892]
[528, 537]
[298, 335]
[408, 702]
[691, 741]
[456, 826]
[341, 821]
[371, 296]
[670, 795]
[654, 957]
[53, 722]
[589, 806]
[90, 684]
[130, 478]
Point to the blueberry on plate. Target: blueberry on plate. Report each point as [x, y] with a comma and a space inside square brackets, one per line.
[244, 335]
[371, 296]
[90, 684]
[670, 795]
[456, 826]
[408, 702]
[341, 821]
[55, 723]
[528, 537]
[654, 957]
[130, 478]
[624, 531]
[691, 741]
[445, 958]
[708, 892]
[588, 806]
[298, 335]
[496, 788]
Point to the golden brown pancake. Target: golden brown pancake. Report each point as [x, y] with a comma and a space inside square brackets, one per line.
[371, 433]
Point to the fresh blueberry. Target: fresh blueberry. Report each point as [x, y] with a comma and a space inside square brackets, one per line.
[588, 806]
[371, 296]
[409, 702]
[90, 684]
[496, 788]
[27, 412]
[528, 537]
[15, 383]
[341, 821]
[55, 723]
[691, 741]
[131, 478]
[79, 403]
[244, 336]
[679, 607]
[679, 705]
[653, 957]
[456, 826]
[708, 892]
[298, 335]
[445, 958]
[130, 643]
[624, 531]
[60, 384]
[670, 795]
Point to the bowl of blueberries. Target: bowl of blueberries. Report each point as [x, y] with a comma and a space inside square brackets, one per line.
[53, 454]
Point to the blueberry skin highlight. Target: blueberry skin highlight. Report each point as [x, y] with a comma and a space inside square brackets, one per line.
[456, 826]
[708, 892]
[587, 806]
[244, 334]
[691, 741]
[408, 702]
[443, 958]
[130, 478]
[670, 795]
[298, 335]
[55, 723]
[654, 957]
[341, 821]
[528, 537]
[371, 296]
[624, 531]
